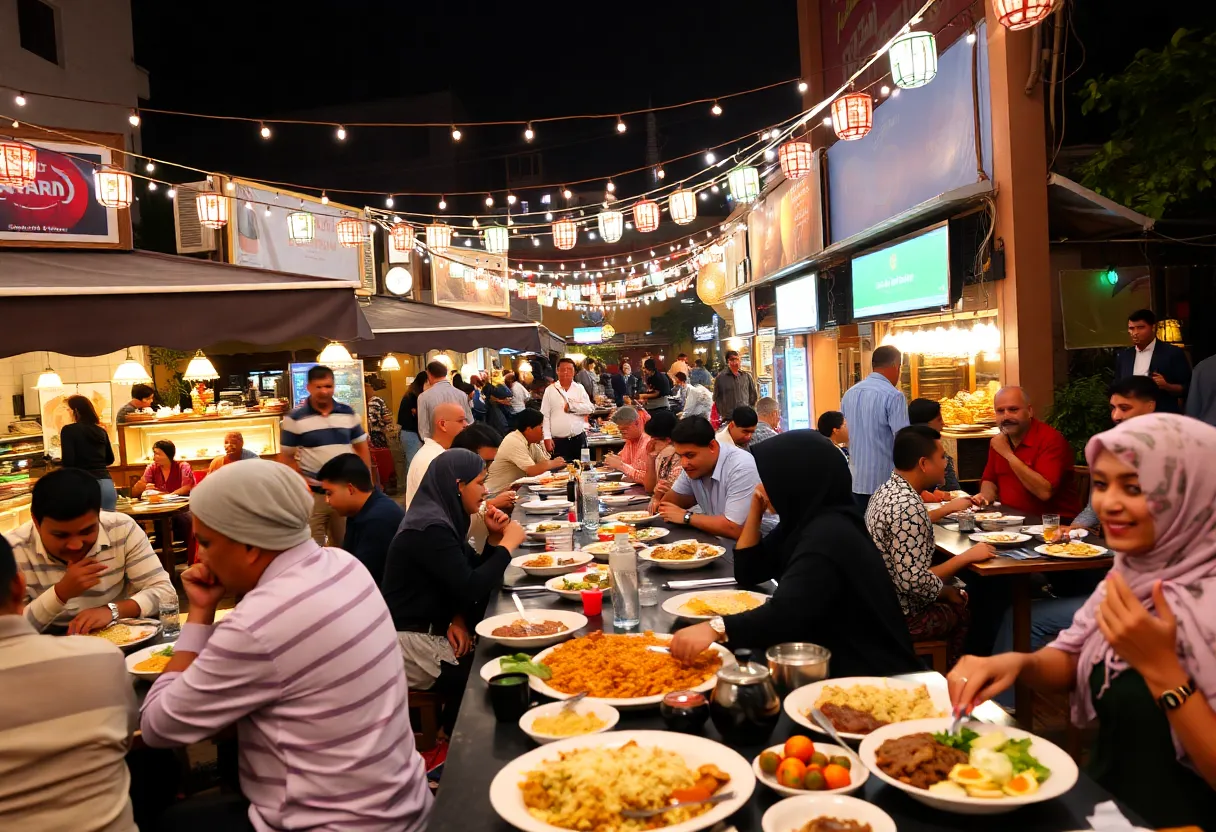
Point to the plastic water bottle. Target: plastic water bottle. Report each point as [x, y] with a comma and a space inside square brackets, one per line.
[585, 459]
[170, 626]
[590, 500]
[623, 566]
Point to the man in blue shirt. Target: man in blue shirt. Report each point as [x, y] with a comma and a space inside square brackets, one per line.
[718, 479]
[372, 517]
[875, 410]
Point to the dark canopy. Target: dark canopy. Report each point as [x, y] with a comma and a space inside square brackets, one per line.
[411, 327]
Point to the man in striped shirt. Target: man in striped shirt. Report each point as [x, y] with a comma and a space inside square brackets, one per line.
[66, 721]
[84, 568]
[875, 410]
[312, 435]
[307, 667]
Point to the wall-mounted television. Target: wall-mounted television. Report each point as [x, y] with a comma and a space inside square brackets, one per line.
[905, 276]
[742, 320]
[588, 335]
[798, 305]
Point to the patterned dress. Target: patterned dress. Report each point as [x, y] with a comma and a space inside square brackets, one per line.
[378, 421]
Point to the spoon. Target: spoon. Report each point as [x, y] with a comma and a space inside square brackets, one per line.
[639, 814]
[569, 704]
[826, 724]
[519, 605]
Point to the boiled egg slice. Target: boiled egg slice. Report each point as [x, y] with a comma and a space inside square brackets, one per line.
[1022, 784]
[966, 774]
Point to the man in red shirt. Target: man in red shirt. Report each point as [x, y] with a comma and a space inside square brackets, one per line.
[1030, 463]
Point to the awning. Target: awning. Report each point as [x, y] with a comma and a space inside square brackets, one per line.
[411, 327]
[94, 302]
[1077, 213]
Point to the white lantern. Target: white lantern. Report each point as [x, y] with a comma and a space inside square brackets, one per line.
[913, 59]
[212, 209]
[131, 371]
[438, 236]
[683, 206]
[301, 227]
[744, 184]
[113, 187]
[612, 225]
[497, 239]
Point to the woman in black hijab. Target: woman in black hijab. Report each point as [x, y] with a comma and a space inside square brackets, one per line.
[435, 585]
[832, 585]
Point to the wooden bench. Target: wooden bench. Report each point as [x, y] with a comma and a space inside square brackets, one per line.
[937, 652]
[427, 705]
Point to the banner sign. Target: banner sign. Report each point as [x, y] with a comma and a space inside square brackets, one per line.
[786, 226]
[61, 205]
[262, 242]
[476, 281]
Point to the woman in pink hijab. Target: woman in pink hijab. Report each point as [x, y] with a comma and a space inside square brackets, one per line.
[1140, 656]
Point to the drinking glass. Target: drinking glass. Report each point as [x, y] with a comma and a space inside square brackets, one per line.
[1051, 527]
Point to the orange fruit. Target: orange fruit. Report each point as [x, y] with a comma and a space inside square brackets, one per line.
[800, 748]
[769, 762]
[791, 773]
[836, 776]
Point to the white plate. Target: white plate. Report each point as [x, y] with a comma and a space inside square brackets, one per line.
[138, 656]
[1004, 520]
[857, 773]
[609, 714]
[535, 534]
[580, 559]
[1098, 552]
[695, 563]
[628, 703]
[1037, 531]
[142, 629]
[613, 487]
[673, 604]
[547, 506]
[623, 499]
[986, 537]
[1063, 769]
[574, 621]
[635, 518]
[793, 813]
[803, 699]
[508, 802]
[600, 549]
[549, 489]
[555, 583]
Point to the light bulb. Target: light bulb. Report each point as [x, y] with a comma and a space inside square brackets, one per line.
[769, 154]
[652, 252]
[628, 225]
[884, 90]
[456, 134]
[714, 188]
[510, 199]
[249, 205]
[549, 216]
[709, 158]
[266, 211]
[590, 235]
[324, 198]
[150, 167]
[660, 173]
[535, 241]
[468, 242]
[620, 125]
[802, 87]
[716, 109]
[611, 187]
[489, 201]
[171, 193]
[134, 118]
[19, 100]
[265, 131]
[388, 202]
[443, 204]
[476, 224]
[566, 193]
[971, 37]
[529, 134]
[827, 121]
[152, 186]
[341, 133]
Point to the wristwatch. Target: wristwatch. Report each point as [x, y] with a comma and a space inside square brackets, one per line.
[113, 612]
[718, 626]
[688, 517]
[1174, 699]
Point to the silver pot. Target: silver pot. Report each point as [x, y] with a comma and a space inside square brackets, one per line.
[797, 663]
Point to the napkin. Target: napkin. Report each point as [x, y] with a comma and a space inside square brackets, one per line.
[1021, 554]
[1108, 818]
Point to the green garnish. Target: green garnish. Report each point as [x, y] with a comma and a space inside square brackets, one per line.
[1018, 752]
[522, 663]
[168, 651]
[962, 740]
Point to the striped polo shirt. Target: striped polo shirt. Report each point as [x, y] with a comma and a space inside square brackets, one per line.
[875, 410]
[308, 668]
[67, 717]
[317, 438]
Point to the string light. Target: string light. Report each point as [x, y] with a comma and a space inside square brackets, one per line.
[611, 187]
[567, 193]
[341, 133]
[150, 167]
[324, 198]
[151, 186]
[456, 134]
[231, 186]
[443, 204]
[265, 131]
[710, 158]
[510, 199]
[171, 193]
[134, 118]
[388, 201]
[716, 109]
[489, 201]
[549, 216]
[971, 37]
[529, 133]
[660, 173]
[19, 100]
[620, 125]
[802, 86]
[884, 90]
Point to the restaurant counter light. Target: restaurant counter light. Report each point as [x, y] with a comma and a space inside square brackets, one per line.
[683, 206]
[200, 368]
[744, 184]
[113, 187]
[913, 59]
[943, 342]
[612, 225]
[48, 378]
[497, 239]
[334, 353]
[131, 371]
[646, 215]
[18, 164]
[438, 236]
[301, 227]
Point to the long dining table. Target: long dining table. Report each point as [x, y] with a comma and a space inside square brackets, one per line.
[480, 745]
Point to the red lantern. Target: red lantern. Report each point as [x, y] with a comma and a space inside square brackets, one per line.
[18, 164]
[350, 232]
[795, 157]
[403, 236]
[565, 234]
[853, 115]
[646, 215]
[1021, 14]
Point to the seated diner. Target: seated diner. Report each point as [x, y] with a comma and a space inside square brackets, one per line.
[234, 451]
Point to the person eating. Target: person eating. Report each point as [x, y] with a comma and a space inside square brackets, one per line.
[1139, 657]
[738, 431]
[662, 461]
[84, 568]
[521, 453]
[1030, 463]
[372, 517]
[437, 587]
[234, 451]
[716, 478]
[164, 477]
[631, 459]
[306, 667]
[768, 421]
[447, 420]
[823, 561]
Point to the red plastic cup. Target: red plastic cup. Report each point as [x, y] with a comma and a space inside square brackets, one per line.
[593, 601]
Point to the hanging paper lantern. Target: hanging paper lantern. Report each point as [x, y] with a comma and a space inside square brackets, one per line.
[612, 225]
[496, 238]
[852, 115]
[683, 206]
[112, 187]
[913, 59]
[18, 164]
[402, 234]
[565, 234]
[646, 215]
[212, 209]
[1021, 14]
[438, 236]
[607, 331]
[744, 184]
[711, 283]
[796, 158]
[301, 227]
[350, 232]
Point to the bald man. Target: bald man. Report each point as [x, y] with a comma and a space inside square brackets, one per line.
[447, 420]
[1030, 463]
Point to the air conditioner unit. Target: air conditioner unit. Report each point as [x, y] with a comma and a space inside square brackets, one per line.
[192, 236]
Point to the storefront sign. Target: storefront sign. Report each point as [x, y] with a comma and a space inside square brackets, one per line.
[61, 206]
[475, 281]
[797, 389]
[262, 241]
[786, 226]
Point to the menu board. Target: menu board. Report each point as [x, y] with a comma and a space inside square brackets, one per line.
[797, 389]
[348, 385]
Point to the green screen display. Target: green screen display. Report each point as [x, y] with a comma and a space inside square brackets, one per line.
[912, 274]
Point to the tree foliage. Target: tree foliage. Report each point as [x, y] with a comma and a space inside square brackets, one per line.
[1162, 152]
[676, 324]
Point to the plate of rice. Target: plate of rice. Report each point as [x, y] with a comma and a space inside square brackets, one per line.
[128, 632]
[702, 606]
[884, 700]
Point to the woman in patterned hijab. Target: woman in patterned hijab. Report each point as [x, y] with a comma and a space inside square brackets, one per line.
[1146, 638]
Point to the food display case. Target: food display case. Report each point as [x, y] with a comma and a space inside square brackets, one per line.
[22, 461]
[198, 440]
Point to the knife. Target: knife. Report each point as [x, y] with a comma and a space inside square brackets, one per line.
[700, 584]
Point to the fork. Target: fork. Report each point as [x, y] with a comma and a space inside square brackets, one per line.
[639, 814]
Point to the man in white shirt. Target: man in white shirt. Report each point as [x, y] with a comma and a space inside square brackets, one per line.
[565, 408]
[447, 421]
[738, 431]
[439, 390]
[519, 393]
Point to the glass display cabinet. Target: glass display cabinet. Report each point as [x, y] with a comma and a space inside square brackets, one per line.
[198, 440]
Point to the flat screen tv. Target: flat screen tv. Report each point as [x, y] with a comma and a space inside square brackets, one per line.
[588, 334]
[741, 315]
[798, 305]
[908, 275]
